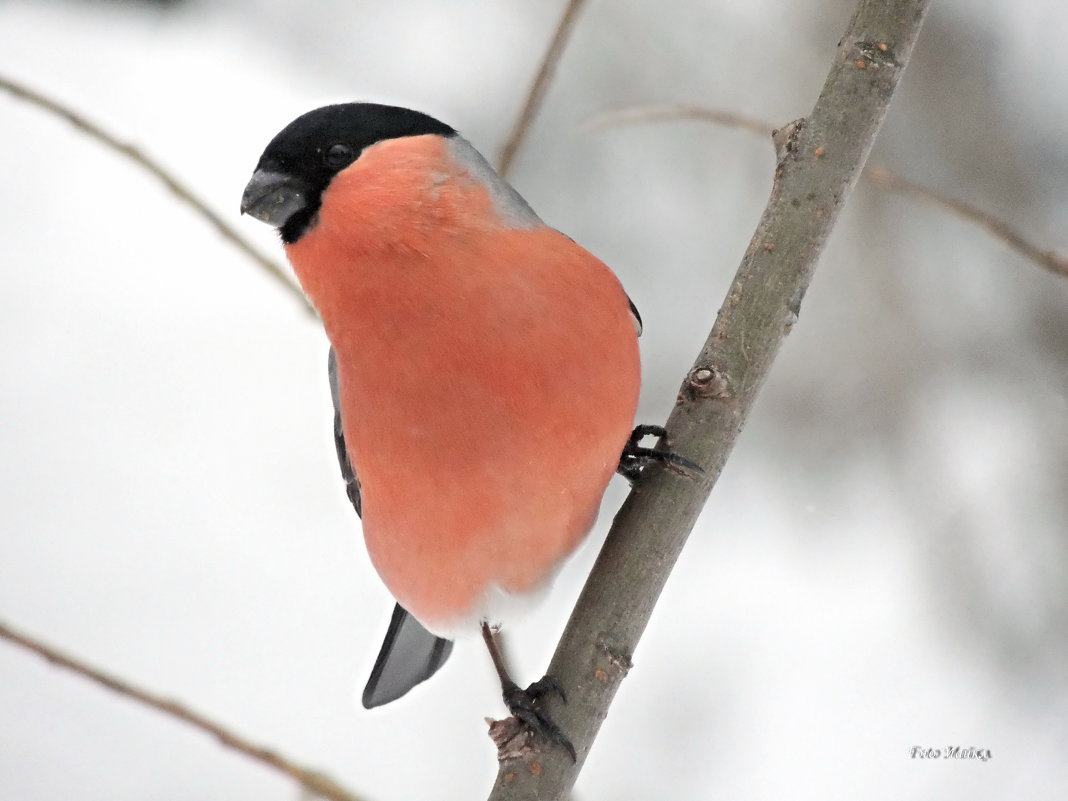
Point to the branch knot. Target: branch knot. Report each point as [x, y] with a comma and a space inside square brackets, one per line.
[708, 381]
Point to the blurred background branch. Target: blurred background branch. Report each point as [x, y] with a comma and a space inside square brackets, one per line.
[176, 186]
[1053, 260]
[313, 781]
[539, 86]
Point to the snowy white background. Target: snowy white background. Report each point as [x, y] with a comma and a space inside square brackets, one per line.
[882, 565]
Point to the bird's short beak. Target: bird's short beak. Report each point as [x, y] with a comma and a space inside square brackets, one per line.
[273, 197]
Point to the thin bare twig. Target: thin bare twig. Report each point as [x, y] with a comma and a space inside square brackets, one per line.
[672, 113]
[179, 189]
[540, 86]
[311, 780]
[1053, 260]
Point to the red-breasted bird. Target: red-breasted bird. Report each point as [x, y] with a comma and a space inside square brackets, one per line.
[484, 370]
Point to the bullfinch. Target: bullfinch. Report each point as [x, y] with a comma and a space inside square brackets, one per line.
[484, 372]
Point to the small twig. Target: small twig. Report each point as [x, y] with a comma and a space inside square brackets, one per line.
[180, 190]
[311, 780]
[1054, 261]
[672, 113]
[540, 86]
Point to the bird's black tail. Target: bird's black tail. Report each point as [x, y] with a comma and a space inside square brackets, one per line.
[410, 654]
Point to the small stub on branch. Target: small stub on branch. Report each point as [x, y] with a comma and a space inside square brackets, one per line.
[512, 737]
[785, 138]
[709, 382]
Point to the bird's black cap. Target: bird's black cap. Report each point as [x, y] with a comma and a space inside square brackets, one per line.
[299, 163]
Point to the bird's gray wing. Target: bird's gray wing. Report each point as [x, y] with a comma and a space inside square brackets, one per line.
[410, 654]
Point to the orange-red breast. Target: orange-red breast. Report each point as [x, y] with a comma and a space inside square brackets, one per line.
[486, 373]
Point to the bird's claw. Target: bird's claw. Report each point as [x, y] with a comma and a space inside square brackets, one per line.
[523, 706]
[544, 686]
[635, 458]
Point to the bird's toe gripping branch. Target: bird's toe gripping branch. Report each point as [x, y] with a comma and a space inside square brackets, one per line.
[635, 457]
[523, 705]
[512, 735]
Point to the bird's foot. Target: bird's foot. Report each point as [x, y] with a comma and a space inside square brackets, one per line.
[523, 706]
[635, 458]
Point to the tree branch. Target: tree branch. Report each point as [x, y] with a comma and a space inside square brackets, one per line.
[539, 86]
[177, 188]
[819, 162]
[311, 780]
[1053, 260]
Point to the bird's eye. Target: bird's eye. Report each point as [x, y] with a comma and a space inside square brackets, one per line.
[338, 155]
